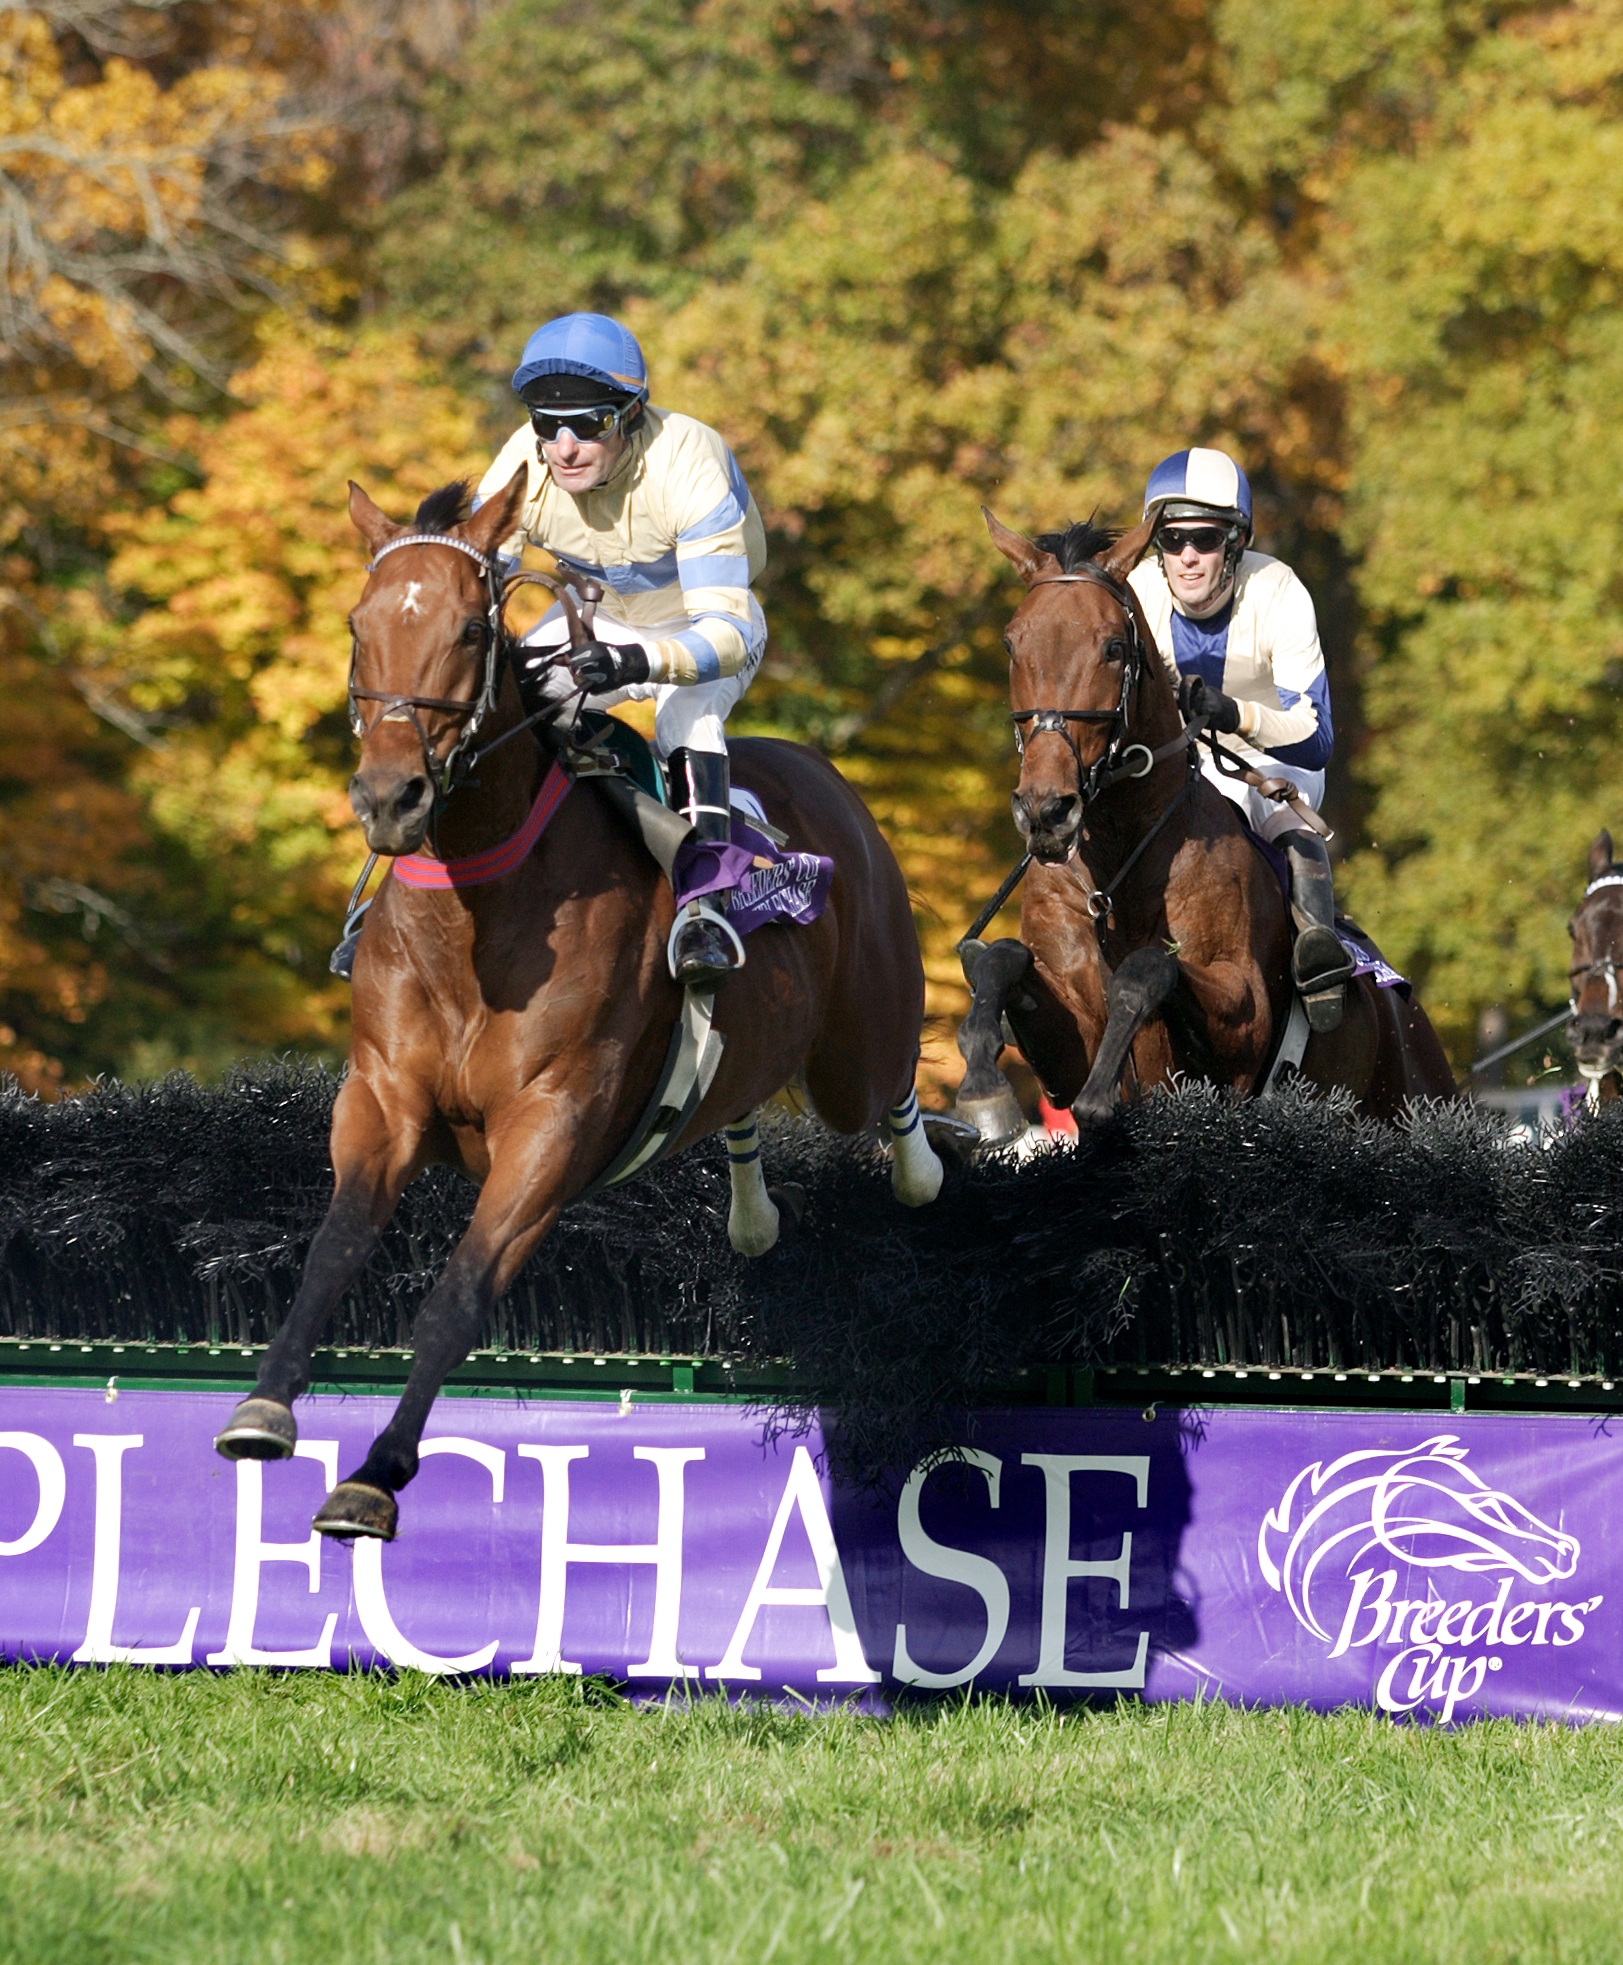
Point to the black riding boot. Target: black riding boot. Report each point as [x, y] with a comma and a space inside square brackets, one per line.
[1320, 966]
[705, 950]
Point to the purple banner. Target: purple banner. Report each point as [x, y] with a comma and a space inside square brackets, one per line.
[1441, 1567]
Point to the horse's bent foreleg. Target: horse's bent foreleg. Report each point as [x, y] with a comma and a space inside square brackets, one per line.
[985, 1097]
[916, 1173]
[752, 1219]
[373, 1161]
[517, 1206]
[1138, 990]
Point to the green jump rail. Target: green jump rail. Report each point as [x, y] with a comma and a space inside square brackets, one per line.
[648, 1378]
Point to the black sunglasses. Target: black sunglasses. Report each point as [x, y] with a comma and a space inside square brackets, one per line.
[589, 425]
[1204, 539]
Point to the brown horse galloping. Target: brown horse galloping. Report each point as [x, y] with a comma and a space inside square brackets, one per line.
[1596, 1026]
[517, 1029]
[1154, 938]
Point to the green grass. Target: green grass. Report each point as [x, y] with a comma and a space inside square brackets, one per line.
[267, 1819]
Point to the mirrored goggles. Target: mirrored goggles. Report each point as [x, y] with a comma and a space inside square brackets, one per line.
[589, 425]
[1204, 538]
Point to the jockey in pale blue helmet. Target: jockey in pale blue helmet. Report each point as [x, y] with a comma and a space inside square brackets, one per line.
[1238, 632]
[653, 506]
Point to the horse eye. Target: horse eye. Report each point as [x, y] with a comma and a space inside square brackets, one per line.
[1115, 649]
[474, 633]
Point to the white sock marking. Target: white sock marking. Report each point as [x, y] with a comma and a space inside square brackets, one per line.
[752, 1220]
[915, 1172]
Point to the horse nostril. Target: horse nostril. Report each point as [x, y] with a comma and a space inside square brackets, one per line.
[1057, 811]
[362, 800]
[412, 794]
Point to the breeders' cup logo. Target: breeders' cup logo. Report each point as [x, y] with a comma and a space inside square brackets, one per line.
[1341, 1536]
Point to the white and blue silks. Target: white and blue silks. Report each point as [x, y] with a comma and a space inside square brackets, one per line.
[675, 540]
[1261, 648]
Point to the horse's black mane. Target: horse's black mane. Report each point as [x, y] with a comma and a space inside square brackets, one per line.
[444, 508]
[1077, 544]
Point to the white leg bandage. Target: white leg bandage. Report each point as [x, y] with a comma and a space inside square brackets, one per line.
[915, 1172]
[752, 1220]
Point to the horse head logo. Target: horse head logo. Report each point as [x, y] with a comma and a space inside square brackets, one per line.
[1423, 1508]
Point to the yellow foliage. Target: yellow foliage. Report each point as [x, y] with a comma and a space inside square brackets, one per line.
[240, 647]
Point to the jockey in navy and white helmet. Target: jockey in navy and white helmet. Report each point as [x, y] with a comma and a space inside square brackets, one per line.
[1238, 632]
[652, 505]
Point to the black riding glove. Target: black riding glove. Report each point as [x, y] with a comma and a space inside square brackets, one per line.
[600, 666]
[1199, 698]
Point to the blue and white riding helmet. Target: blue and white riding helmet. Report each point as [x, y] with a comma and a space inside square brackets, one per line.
[581, 358]
[1199, 484]
[1202, 484]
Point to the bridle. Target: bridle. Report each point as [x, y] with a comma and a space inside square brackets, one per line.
[1119, 759]
[455, 769]
[1604, 965]
[446, 773]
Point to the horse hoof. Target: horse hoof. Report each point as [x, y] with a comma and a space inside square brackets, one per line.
[790, 1202]
[954, 1139]
[1089, 1118]
[259, 1429]
[354, 1510]
[998, 1119]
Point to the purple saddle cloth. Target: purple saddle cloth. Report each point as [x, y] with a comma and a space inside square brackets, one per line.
[1367, 958]
[765, 882]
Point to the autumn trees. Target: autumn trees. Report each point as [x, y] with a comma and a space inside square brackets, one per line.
[910, 258]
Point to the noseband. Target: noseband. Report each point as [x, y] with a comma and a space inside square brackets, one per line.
[1119, 759]
[445, 775]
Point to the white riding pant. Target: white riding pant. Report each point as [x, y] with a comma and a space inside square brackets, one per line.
[1264, 815]
[687, 715]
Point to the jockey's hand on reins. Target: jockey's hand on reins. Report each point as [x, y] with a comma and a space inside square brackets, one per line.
[1197, 698]
[599, 666]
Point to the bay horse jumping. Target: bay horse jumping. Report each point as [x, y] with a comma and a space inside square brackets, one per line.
[1154, 937]
[1596, 1026]
[517, 1028]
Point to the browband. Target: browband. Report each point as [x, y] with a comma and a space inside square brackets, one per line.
[1094, 576]
[1604, 880]
[432, 539]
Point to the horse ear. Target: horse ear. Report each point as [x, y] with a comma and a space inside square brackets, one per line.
[375, 527]
[1027, 559]
[1600, 855]
[497, 518]
[1128, 550]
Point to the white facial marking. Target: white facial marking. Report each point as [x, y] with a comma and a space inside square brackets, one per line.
[409, 602]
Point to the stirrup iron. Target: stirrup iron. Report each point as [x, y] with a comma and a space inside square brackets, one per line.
[695, 913]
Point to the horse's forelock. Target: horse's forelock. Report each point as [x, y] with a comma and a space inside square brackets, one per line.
[442, 509]
[1077, 544]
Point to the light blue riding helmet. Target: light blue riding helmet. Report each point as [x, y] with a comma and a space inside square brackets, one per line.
[1205, 484]
[588, 345]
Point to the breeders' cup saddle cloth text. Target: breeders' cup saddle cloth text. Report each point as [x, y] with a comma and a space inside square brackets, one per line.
[766, 883]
